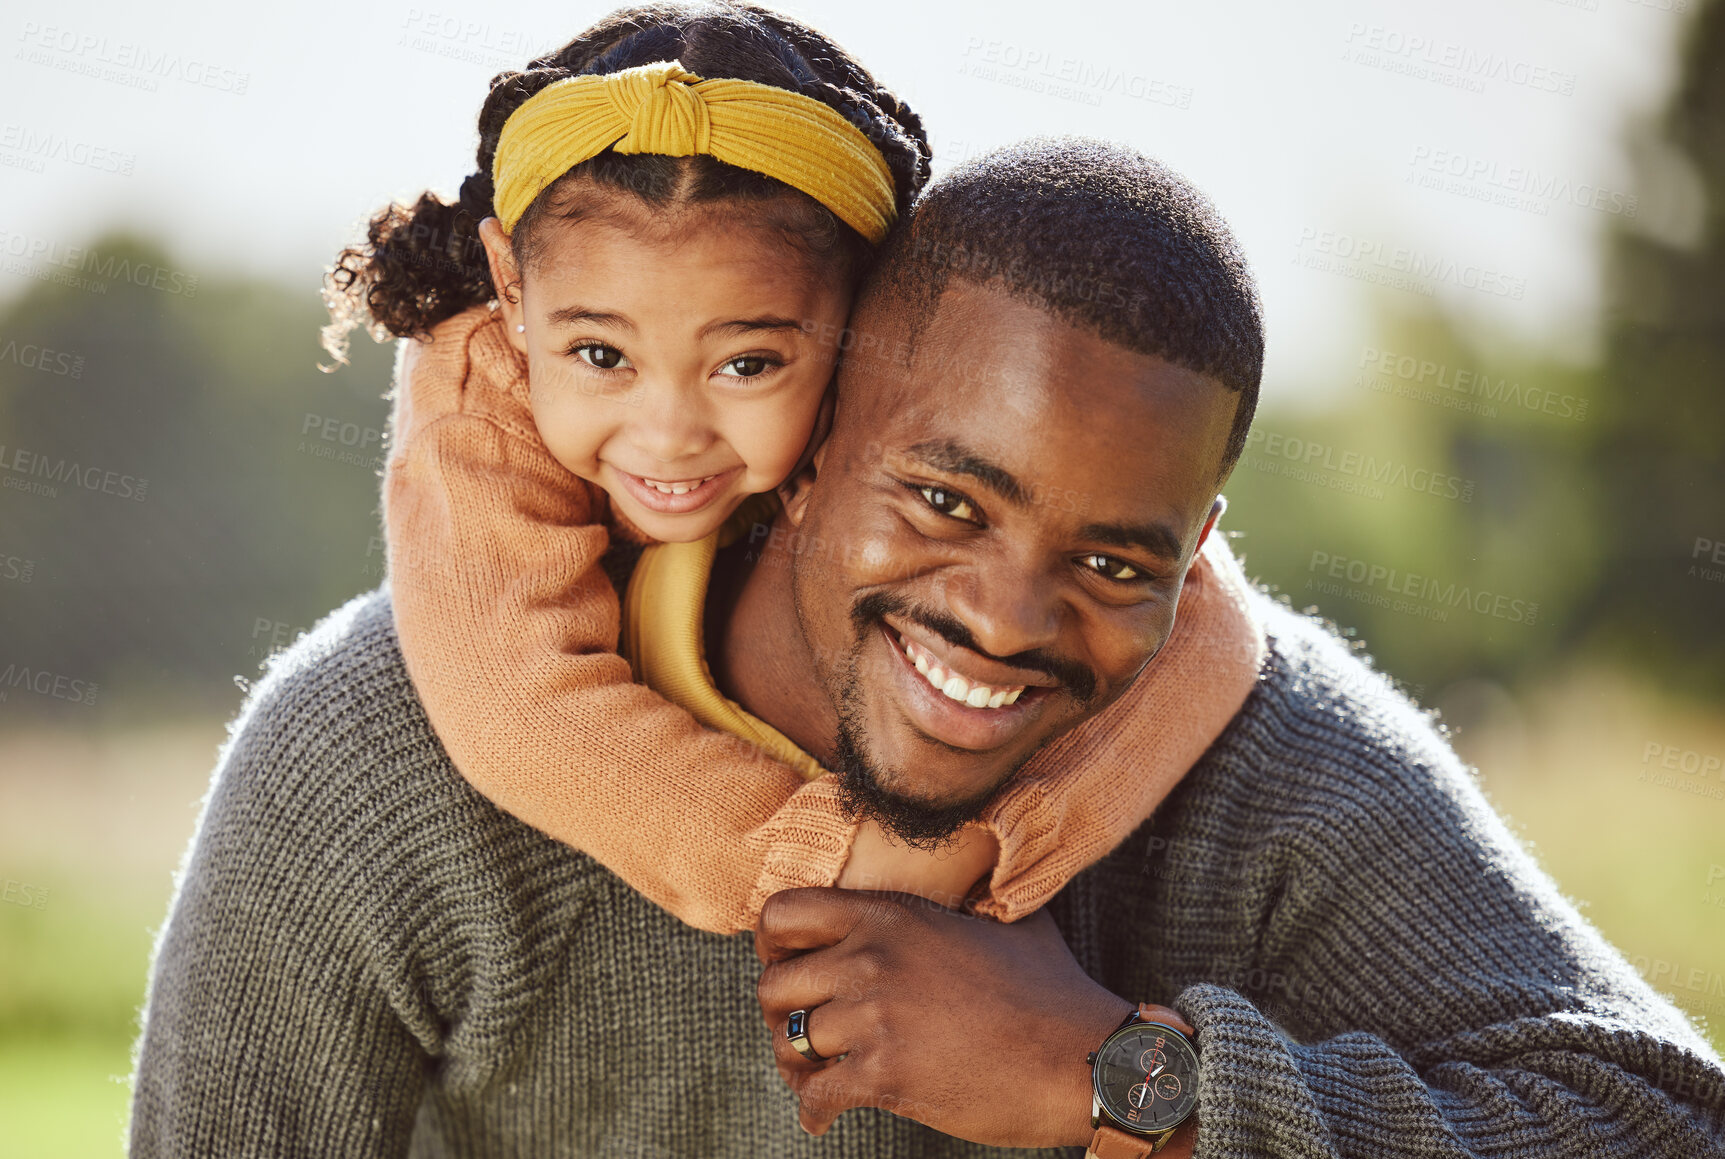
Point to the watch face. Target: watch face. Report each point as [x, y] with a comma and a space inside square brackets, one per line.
[1147, 1077]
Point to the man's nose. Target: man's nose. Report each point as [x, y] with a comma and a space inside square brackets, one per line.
[1009, 605]
[672, 423]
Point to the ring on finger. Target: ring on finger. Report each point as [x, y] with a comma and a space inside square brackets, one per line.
[797, 1031]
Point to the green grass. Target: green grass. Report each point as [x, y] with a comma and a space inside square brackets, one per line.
[63, 1097]
[1566, 767]
[71, 980]
[98, 818]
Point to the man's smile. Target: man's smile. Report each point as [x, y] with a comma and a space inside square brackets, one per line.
[972, 692]
[974, 706]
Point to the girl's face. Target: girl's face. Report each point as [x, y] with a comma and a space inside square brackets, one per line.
[679, 364]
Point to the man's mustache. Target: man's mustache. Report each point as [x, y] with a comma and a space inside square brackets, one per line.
[1078, 681]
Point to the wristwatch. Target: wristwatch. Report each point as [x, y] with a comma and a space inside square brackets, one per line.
[1145, 1082]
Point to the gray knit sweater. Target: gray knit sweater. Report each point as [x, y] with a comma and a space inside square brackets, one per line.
[364, 957]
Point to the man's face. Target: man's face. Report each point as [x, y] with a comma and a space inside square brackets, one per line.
[995, 544]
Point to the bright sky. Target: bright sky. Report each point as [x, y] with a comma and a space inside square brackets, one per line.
[257, 137]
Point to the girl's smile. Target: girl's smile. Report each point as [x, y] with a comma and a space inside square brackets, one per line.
[684, 497]
[676, 361]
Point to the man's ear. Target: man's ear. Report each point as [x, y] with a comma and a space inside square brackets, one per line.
[507, 280]
[1216, 509]
[794, 492]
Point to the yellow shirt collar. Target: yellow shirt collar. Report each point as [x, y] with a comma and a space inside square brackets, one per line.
[663, 611]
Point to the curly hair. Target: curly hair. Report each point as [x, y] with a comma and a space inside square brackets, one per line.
[424, 262]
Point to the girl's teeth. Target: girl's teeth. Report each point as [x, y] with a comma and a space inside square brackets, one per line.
[676, 488]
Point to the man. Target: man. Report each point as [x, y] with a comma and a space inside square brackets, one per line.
[365, 958]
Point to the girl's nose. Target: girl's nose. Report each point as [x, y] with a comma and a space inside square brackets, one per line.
[671, 425]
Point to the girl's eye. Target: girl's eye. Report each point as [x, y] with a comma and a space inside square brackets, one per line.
[948, 502]
[748, 366]
[600, 356]
[1114, 569]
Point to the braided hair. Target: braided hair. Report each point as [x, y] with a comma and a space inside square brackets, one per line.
[424, 262]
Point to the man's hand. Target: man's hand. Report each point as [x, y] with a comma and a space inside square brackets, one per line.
[974, 1028]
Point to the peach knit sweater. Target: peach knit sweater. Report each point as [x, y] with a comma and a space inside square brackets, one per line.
[509, 628]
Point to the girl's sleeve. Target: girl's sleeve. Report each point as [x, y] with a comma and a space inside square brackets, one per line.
[509, 628]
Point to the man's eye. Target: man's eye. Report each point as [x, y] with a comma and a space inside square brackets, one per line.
[600, 356]
[748, 366]
[1114, 569]
[948, 502]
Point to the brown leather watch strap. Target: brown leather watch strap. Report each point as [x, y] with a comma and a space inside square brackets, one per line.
[1166, 1015]
[1113, 1143]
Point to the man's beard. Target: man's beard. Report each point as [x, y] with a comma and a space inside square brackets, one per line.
[864, 790]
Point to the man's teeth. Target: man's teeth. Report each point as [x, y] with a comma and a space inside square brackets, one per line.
[956, 687]
[682, 488]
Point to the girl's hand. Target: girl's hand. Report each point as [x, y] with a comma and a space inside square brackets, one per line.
[946, 878]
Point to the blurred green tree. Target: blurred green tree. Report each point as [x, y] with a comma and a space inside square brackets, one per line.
[1594, 496]
[1658, 464]
[186, 486]
[1459, 520]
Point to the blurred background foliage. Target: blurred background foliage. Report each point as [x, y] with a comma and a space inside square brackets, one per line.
[1596, 491]
[261, 471]
[1591, 516]
[1582, 490]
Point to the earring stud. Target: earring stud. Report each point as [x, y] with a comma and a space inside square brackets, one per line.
[521, 327]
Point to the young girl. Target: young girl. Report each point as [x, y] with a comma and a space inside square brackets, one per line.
[620, 341]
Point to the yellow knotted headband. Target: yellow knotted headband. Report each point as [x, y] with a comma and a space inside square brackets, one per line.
[659, 108]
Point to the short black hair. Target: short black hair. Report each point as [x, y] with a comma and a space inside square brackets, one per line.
[1102, 237]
